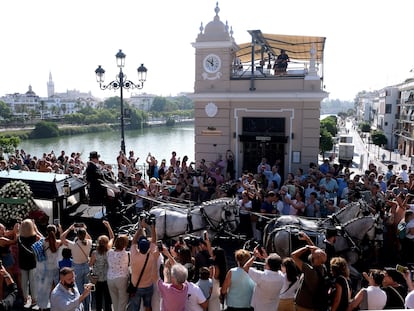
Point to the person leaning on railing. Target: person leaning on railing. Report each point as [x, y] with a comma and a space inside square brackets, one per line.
[9, 299]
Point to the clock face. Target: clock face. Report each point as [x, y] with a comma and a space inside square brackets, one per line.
[212, 63]
[211, 109]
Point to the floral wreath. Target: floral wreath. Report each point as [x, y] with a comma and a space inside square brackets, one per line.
[16, 201]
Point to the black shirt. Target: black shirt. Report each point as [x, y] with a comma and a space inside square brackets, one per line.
[395, 297]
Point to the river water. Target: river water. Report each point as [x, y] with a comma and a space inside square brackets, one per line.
[160, 141]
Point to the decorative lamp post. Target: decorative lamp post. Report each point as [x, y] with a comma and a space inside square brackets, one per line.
[66, 193]
[121, 83]
[66, 188]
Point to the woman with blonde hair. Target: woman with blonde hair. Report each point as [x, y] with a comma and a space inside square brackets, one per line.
[28, 235]
[340, 273]
[118, 273]
[238, 286]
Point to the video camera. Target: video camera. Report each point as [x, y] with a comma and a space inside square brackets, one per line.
[192, 240]
[148, 218]
[196, 173]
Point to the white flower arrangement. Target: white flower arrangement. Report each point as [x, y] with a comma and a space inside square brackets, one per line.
[16, 201]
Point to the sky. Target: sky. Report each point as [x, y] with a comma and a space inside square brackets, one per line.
[368, 45]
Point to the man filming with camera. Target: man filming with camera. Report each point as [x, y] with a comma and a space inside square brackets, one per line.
[144, 254]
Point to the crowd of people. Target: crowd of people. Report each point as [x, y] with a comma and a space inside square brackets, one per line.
[194, 275]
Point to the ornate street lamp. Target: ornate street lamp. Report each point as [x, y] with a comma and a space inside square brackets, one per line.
[121, 83]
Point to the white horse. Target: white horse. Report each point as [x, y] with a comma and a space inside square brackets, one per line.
[220, 215]
[348, 242]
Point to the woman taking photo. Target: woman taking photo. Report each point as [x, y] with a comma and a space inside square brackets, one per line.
[118, 272]
[238, 286]
[27, 260]
[99, 264]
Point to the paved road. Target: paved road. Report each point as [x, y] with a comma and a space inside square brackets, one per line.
[365, 153]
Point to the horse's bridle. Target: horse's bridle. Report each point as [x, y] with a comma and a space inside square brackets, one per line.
[220, 225]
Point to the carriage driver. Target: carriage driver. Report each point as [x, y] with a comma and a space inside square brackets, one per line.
[94, 177]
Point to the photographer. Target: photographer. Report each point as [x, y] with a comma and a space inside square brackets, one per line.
[66, 295]
[269, 282]
[144, 255]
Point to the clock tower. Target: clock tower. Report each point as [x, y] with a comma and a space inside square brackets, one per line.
[215, 51]
[249, 112]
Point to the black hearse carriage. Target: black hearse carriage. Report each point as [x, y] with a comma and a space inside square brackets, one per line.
[58, 195]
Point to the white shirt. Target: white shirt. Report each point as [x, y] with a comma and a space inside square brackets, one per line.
[404, 175]
[377, 298]
[118, 264]
[245, 208]
[195, 296]
[139, 203]
[409, 300]
[268, 286]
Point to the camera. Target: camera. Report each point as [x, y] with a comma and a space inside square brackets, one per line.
[56, 222]
[91, 285]
[192, 241]
[196, 173]
[79, 224]
[150, 219]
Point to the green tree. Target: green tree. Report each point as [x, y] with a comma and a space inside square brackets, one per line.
[45, 129]
[8, 144]
[379, 139]
[5, 111]
[342, 115]
[329, 124]
[138, 117]
[365, 127]
[326, 141]
[113, 103]
[159, 104]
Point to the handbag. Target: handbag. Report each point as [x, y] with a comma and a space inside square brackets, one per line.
[132, 289]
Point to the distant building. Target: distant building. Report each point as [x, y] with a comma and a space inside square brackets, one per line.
[141, 101]
[30, 105]
[405, 118]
